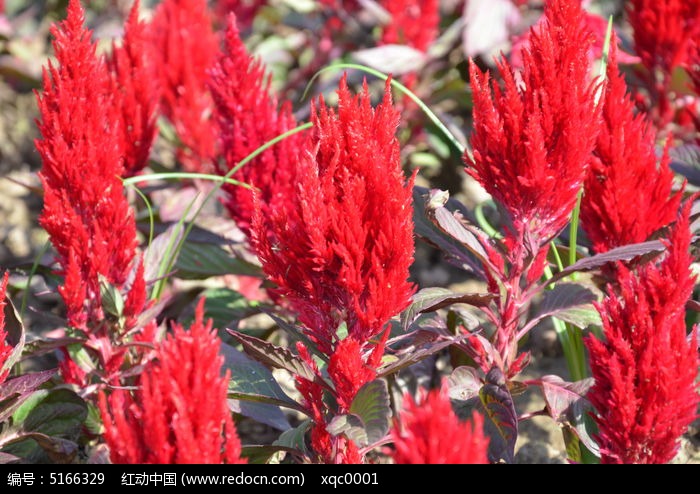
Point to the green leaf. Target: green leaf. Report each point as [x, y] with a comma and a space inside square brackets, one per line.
[201, 261]
[254, 391]
[56, 412]
[369, 418]
[261, 454]
[275, 356]
[295, 438]
[46, 426]
[112, 299]
[223, 306]
[435, 298]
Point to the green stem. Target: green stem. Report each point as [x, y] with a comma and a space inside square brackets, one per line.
[169, 260]
[461, 148]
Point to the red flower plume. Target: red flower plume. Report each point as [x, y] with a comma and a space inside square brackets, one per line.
[134, 88]
[341, 251]
[180, 412]
[429, 432]
[85, 211]
[627, 195]
[532, 139]
[645, 370]
[185, 47]
[248, 116]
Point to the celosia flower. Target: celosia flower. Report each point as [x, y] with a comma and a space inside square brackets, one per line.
[645, 370]
[248, 117]
[627, 195]
[663, 33]
[341, 250]
[185, 47]
[5, 348]
[414, 24]
[134, 89]
[85, 211]
[428, 432]
[532, 139]
[179, 414]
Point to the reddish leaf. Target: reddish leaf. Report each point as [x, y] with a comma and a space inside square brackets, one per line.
[501, 420]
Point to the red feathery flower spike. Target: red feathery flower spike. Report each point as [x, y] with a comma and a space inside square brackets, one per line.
[428, 432]
[85, 211]
[185, 47]
[645, 370]
[627, 196]
[341, 251]
[248, 117]
[180, 413]
[532, 139]
[135, 92]
[663, 34]
[414, 24]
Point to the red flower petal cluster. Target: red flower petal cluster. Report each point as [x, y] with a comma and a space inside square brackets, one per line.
[663, 37]
[645, 370]
[134, 88]
[341, 251]
[429, 432]
[179, 414]
[85, 211]
[414, 24]
[184, 47]
[627, 196]
[248, 117]
[533, 139]
[5, 348]
[663, 31]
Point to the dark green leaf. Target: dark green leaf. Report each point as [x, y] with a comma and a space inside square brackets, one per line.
[260, 454]
[56, 412]
[501, 420]
[369, 418]
[295, 438]
[201, 261]
[112, 299]
[224, 306]
[254, 390]
[46, 425]
[435, 298]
